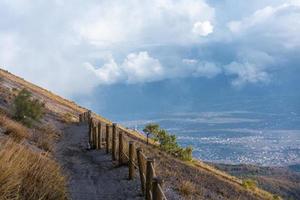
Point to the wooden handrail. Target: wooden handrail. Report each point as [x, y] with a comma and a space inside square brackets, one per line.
[151, 185]
[162, 192]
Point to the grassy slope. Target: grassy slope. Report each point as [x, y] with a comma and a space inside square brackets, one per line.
[211, 183]
[27, 168]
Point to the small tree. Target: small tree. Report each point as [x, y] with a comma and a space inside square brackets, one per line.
[151, 129]
[168, 142]
[27, 109]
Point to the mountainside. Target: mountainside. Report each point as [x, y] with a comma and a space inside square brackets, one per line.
[182, 180]
[278, 180]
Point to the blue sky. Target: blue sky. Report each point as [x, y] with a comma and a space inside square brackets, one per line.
[153, 49]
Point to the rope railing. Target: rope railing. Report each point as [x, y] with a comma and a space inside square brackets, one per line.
[123, 149]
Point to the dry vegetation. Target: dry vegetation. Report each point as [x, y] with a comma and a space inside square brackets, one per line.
[27, 170]
[278, 180]
[187, 188]
[43, 93]
[25, 174]
[14, 129]
[68, 118]
[45, 136]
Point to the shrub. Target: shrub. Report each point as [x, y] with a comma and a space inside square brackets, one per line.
[186, 153]
[14, 129]
[168, 142]
[187, 188]
[25, 174]
[27, 109]
[249, 184]
[45, 137]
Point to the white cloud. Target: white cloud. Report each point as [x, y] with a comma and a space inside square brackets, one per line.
[109, 73]
[277, 24]
[145, 22]
[203, 28]
[189, 61]
[251, 67]
[58, 49]
[136, 68]
[246, 73]
[207, 69]
[199, 68]
[256, 18]
[142, 68]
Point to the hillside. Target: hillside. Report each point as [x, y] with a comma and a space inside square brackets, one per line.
[182, 180]
[278, 180]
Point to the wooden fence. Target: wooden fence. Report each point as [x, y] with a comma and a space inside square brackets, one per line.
[123, 150]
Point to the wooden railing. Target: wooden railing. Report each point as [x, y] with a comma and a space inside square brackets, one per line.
[123, 149]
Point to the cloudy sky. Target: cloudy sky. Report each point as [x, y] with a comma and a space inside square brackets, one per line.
[81, 49]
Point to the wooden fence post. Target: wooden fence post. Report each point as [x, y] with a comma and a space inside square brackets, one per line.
[89, 114]
[120, 148]
[107, 138]
[94, 136]
[114, 135]
[99, 135]
[139, 152]
[131, 160]
[90, 132]
[156, 182]
[149, 175]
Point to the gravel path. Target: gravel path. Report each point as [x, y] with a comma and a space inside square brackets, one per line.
[92, 174]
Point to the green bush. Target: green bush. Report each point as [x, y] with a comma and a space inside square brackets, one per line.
[27, 109]
[277, 197]
[186, 153]
[249, 184]
[168, 142]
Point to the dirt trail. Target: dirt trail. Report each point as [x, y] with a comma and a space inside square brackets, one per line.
[92, 173]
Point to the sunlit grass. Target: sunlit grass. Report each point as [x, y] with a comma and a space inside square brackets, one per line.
[14, 129]
[25, 174]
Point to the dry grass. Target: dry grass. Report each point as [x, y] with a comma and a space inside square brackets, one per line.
[25, 174]
[45, 137]
[187, 188]
[68, 118]
[14, 129]
[214, 170]
[36, 89]
[2, 111]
